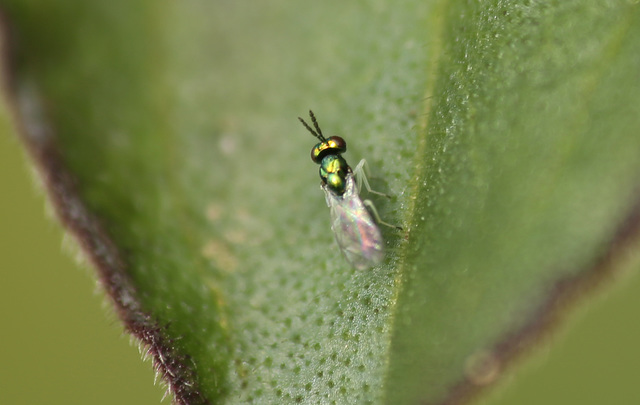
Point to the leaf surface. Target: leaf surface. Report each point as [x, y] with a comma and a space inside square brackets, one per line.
[506, 133]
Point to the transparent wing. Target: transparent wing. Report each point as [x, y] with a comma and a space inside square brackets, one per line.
[356, 232]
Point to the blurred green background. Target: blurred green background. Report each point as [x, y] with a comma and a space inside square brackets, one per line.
[59, 345]
[61, 342]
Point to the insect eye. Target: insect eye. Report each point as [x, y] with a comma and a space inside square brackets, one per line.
[335, 145]
[318, 152]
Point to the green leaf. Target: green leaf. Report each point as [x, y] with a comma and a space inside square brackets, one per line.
[506, 133]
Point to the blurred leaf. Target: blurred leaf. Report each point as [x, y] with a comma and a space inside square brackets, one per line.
[167, 135]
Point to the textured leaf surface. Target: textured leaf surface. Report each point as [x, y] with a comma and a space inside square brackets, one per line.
[507, 133]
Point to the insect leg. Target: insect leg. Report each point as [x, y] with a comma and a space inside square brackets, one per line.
[361, 171]
[374, 213]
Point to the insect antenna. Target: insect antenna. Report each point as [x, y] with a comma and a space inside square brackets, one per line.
[315, 124]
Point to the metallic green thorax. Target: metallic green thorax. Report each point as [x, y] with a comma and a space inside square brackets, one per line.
[333, 172]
